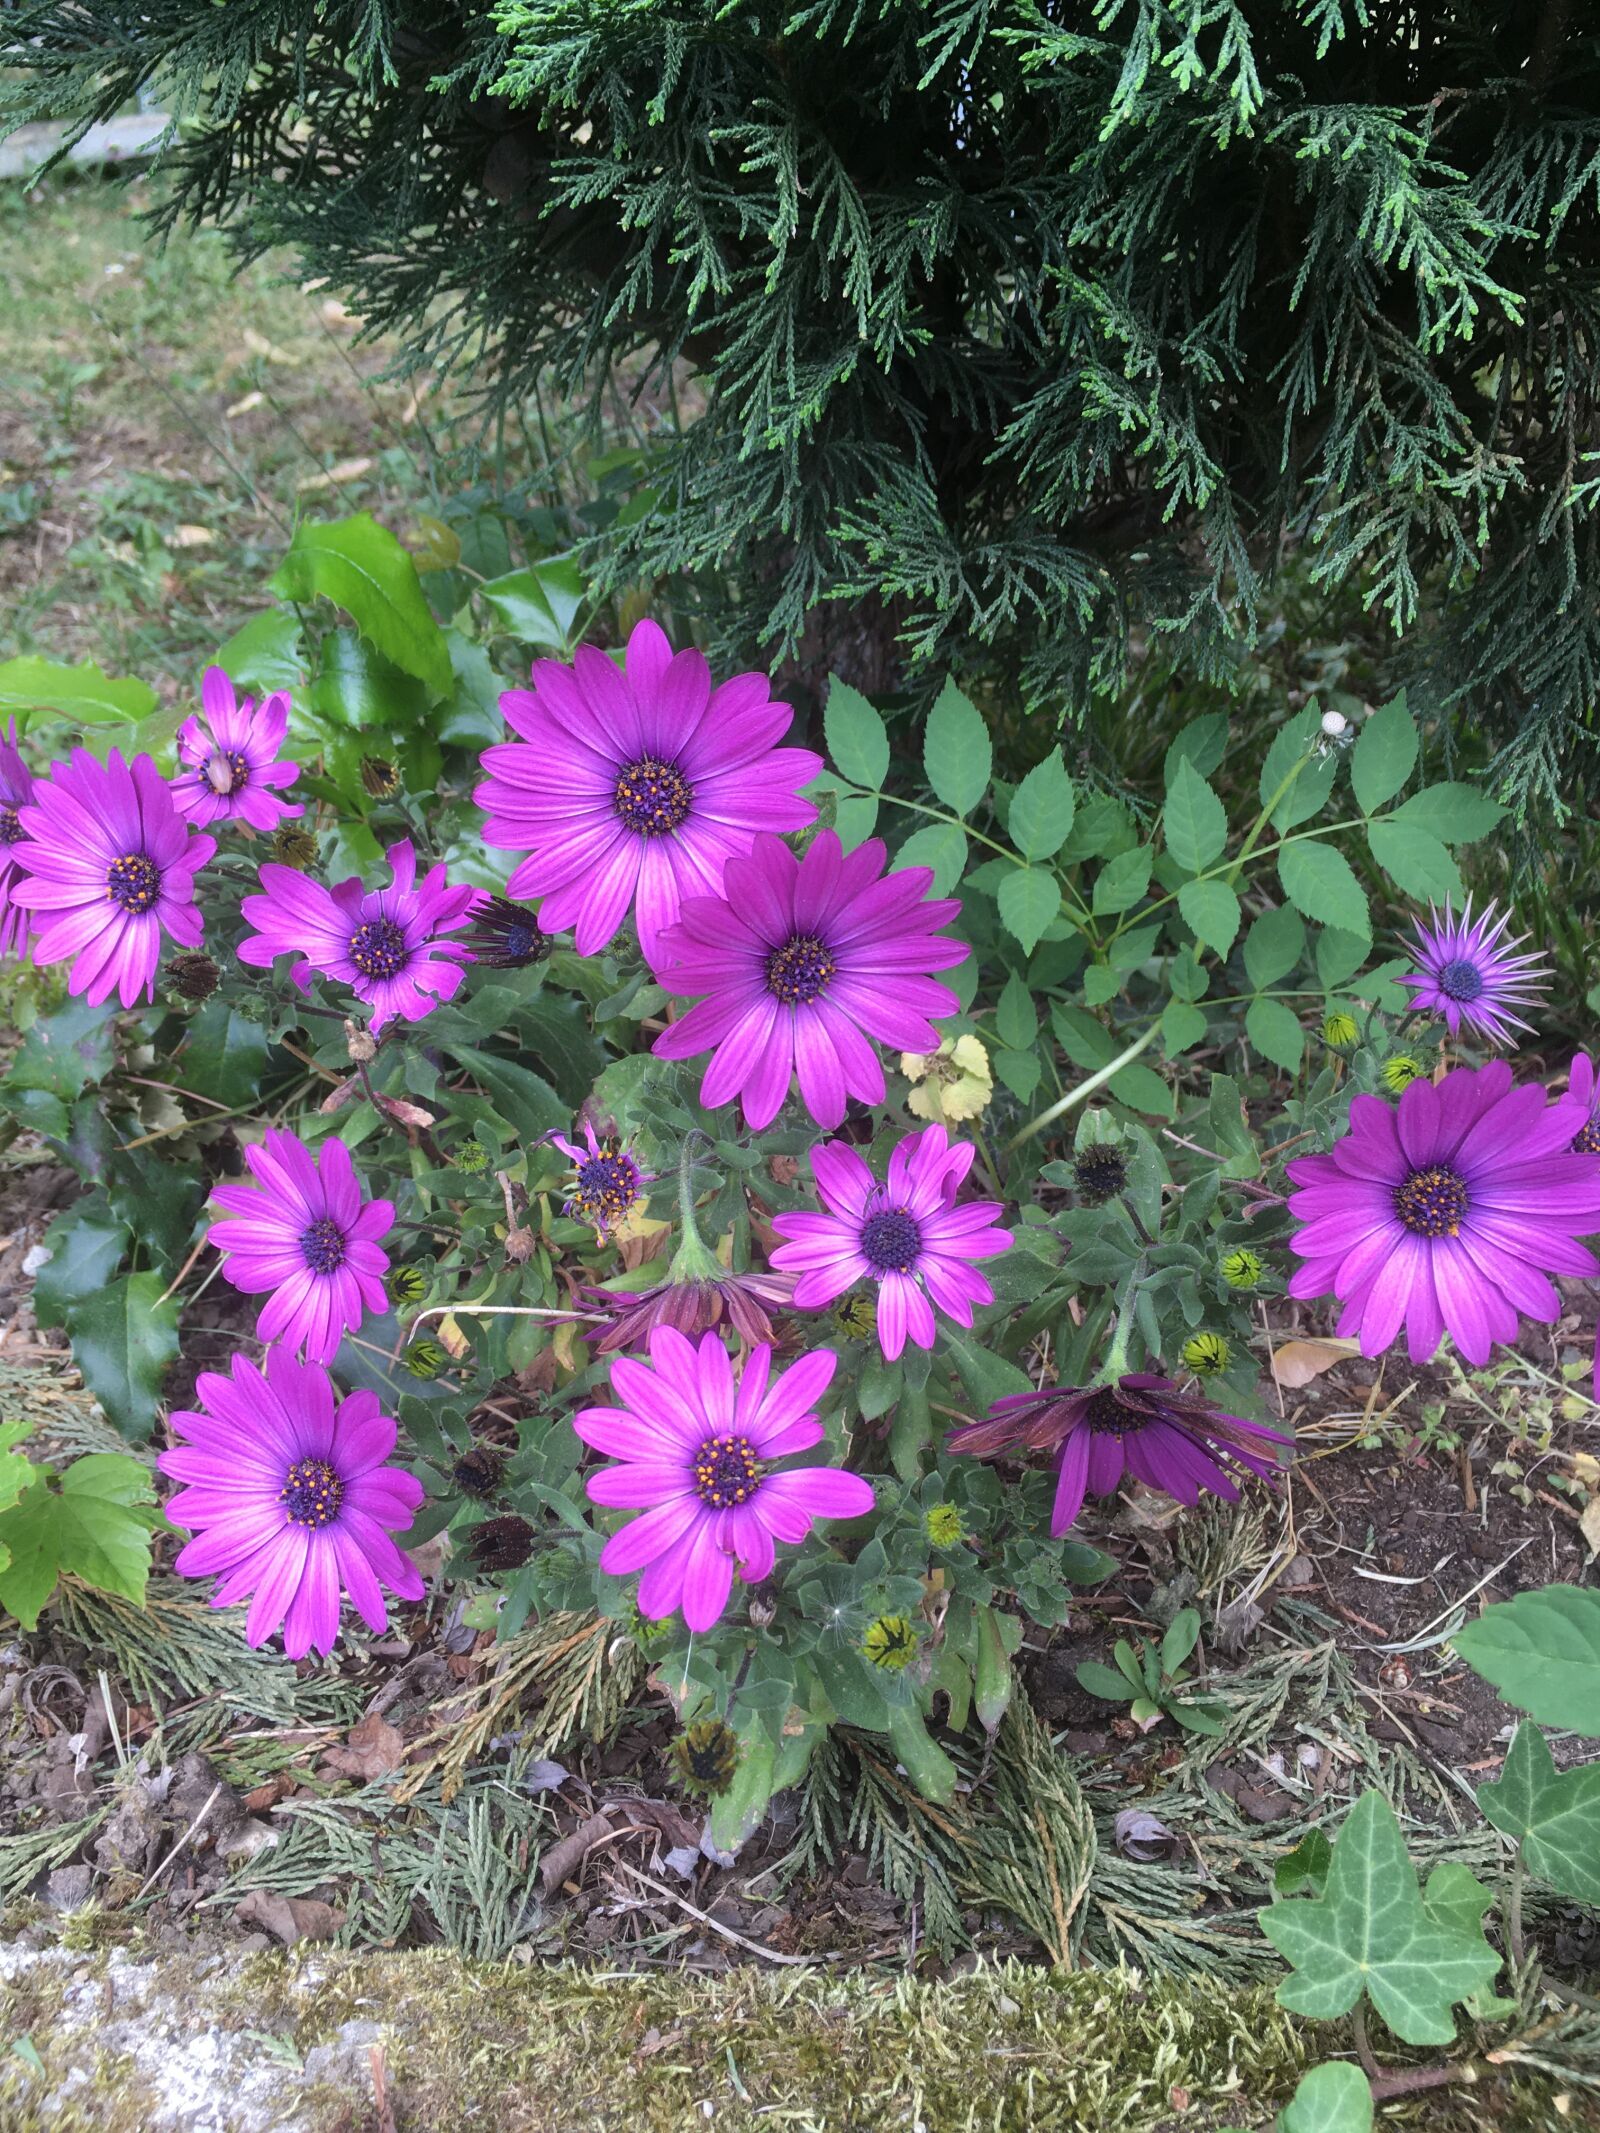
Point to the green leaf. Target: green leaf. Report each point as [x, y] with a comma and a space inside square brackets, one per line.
[857, 739]
[1016, 1018]
[1339, 956]
[1212, 909]
[1371, 1931]
[358, 691]
[82, 694]
[1102, 1681]
[1335, 2098]
[224, 1054]
[941, 846]
[1141, 1088]
[926, 1764]
[362, 568]
[96, 1525]
[123, 1337]
[1554, 1816]
[1122, 881]
[1455, 814]
[264, 655]
[1042, 808]
[1203, 742]
[1029, 900]
[1275, 1031]
[1307, 794]
[525, 1100]
[987, 1376]
[1385, 755]
[66, 1050]
[1196, 822]
[1542, 1652]
[1306, 1867]
[1321, 882]
[1182, 1025]
[1415, 861]
[1020, 1071]
[16, 1472]
[538, 606]
[1182, 1635]
[1274, 945]
[86, 1246]
[956, 751]
[559, 1039]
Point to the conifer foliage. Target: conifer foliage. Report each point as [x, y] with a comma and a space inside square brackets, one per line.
[1024, 327]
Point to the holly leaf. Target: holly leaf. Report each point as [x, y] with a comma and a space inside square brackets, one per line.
[1554, 1815]
[361, 567]
[1542, 1652]
[95, 1523]
[1372, 1931]
[86, 1246]
[123, 1337]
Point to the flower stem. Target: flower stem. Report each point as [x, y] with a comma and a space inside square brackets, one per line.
[1084, 1089]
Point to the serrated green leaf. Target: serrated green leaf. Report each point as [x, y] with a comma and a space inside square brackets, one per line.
[1455, 814]
[956, 751]
[1275, 1031]
[1415, 861]
[1542, 1652]
[1101, 984]
[1203, 742]
[525, 1100]
[1274, 945]
[1195, 820]
[941, 847]
[360, 566]
[1321, 883]
[1182, 1025]
[224, 1054]
[1122, 881]
[1015, 1017]
[96, 1524]
[538, 605]
[1339, 956]
[86, 1246]
[1042, 808]
[66, 1050]
[123, 1337]
[1029, 899]
[1211, 909]
[1314, 772]
[1141, 1088]
[857, 738]
[1020, 1071]
[264, 655]
[1554, 1815]
[1371, 1931]
[82, 694]
[1335, 2098]
[1385, 755]
[855, 817]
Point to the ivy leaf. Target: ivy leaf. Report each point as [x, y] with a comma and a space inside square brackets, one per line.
[1554, 1815]
[1372, 1930]
[123, 1337]
[1042, 808]
[1029, 900]
[1211, 909]
[1196, 822]
[362, 568]
[95, 1524]
[1416, 861]
[1385, 755]
[1335, 2098]
[1542, 1652]
[956, 751]
[857, 738]
[1321, 883]
[82, 694]
[941, 846]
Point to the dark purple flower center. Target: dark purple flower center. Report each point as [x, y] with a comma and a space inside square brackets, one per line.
[324, 1245]
[1587, 1139]
[224, 771]
[891, 1242]
[1106, 1415]
[1432, 1203]
[1461, 980]
[608, 1185]
[133, 883]
[726, 1472]
[311, 1494]
[11, 830]
[378, 948]
[652, 798]
[799, 970]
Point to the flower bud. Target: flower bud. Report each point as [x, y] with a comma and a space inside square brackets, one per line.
[1241, 1269]
[1340, 1031]
[293, 846]
[379, 777]
[1205, 1354]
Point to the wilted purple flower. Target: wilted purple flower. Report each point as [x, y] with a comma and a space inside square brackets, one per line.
[108, 866]
[387, 945]
[304, 1232]
[908, 1235]
[803, 962]
[697, 1455]
[608, 1183]
[16, 790]
[693, 1305]
[289, 1499]
[229, 772]
[1447, 1211]
[632, 788]
[1471, 975]
[1171, 1440]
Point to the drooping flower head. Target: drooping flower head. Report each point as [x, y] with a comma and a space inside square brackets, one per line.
[699, 1458]
[1173, 1441]
[108, 866]
[1471, 975]
[16, 790]
[505, 935]
[1100, 1173]
[909, 1235]
[804, 962]
[229, 766]
[387, 945]
[608, 1184]
[304, 1233]
[693, 1304]
[1583, 1098]
[630, 789]
[289, 1498]
[1447, 1211]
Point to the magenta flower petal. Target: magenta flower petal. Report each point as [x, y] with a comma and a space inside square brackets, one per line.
[230, 767]
[16, 793]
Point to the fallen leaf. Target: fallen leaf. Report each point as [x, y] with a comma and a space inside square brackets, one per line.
[330, 478]
[1585, 1466]
[192, 536]
[246, 406]
[289, 1918]
[259, 345]
[1589, 1526]
[1296, 1363]
[371, 1749]
[1144, 1836]
[277, 1787]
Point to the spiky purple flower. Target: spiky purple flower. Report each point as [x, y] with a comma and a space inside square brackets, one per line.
[1145, 1426]
[387, 945]
[16, 791]
[1471, 975]
[230, 767]
[803, 962]
[289, 1499]
[908, 1235]
[631, 789]
[305, 1233]
[697, 1456]
[607, 1183]
[108, 866]
[1446, 1212]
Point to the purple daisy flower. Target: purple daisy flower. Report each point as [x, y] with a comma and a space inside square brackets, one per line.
[693, 1305]
[387, 945]
[631, 789]
[1145, 1426]
[108, 866]
[804, 961]
[1447, 1212]
[609, 1183]
[230, 758]
[696, 1456]
[16, 790]
[304, 1232]
[1471, 974]
[908, 1235]
[289, 1498]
